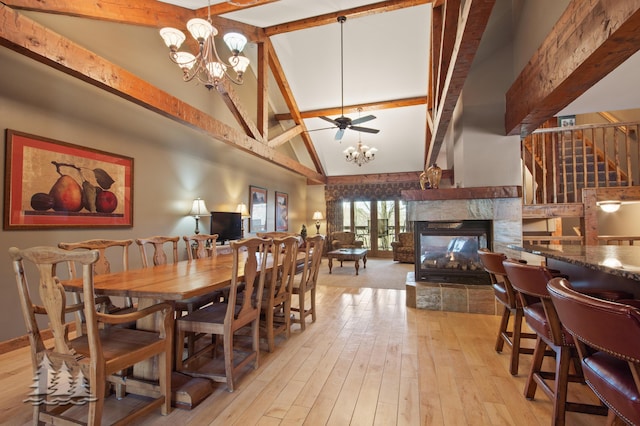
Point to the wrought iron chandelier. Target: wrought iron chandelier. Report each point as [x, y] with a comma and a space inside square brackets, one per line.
[360, 155]
[206, 66]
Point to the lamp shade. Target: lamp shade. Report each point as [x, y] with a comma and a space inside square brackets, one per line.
[199, 208]
[242, 209]
[317, 215]
[609, 206]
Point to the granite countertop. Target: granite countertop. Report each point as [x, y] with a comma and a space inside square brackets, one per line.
[623, 261]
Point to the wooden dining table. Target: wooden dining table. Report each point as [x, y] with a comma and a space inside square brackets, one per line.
[169, 283]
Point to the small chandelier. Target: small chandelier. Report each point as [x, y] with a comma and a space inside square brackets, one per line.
[206, 66]
[360, 155]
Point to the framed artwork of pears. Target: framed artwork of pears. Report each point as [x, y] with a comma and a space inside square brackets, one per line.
[53, 184]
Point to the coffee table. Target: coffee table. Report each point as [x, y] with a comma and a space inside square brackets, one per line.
[348, 254]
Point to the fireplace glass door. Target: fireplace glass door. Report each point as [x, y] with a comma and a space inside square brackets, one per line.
[449, 251]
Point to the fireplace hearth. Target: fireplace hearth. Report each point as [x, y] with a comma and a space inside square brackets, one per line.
[447, 251]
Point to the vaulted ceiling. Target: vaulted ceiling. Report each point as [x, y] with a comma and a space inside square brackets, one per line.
[405, 61]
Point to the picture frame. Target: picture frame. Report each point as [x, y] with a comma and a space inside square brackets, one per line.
[282, 212]
[257, 209]
[53, 184]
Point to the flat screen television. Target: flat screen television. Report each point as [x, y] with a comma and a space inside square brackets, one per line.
[228, 226]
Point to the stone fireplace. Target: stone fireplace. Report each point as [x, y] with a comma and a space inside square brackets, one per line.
[501, 206]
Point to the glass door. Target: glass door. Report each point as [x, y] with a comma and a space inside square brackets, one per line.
[377, 224]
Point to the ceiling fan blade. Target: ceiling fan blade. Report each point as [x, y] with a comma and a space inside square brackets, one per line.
[329, 120]
[339, 134]
[364, 129]
[363, 119]
[321, 128]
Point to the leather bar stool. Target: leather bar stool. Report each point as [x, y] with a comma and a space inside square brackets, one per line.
[506, 295]
[531, 284]
[607, 336]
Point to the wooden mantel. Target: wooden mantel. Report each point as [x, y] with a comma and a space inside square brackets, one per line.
[463, 193]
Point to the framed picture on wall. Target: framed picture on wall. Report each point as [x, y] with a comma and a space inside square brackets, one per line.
[257, 209]
[53, 184]
[282, 211]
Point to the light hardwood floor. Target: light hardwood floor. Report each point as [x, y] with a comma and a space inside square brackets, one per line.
[368, 360]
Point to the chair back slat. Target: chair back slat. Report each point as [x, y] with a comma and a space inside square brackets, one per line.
[285, 253]
[102, 266]
[159, 255]
[200, 246]
[254, 253]
[51, 292]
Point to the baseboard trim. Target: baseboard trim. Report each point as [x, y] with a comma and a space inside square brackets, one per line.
[22, 341]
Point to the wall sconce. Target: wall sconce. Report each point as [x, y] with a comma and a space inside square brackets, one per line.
[244, 214]
[317, 216]
[609, 206]
[198, 209]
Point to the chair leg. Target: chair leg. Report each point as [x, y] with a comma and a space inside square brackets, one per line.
[313, 304]
[515, 342]
[256, 340]
[269, 328]
[164, 366]
[503, 329]
[179, 345]
[563, 361]
[536, 366]
[287, 317]
[96, 406]
[301, 310]
[227, 339]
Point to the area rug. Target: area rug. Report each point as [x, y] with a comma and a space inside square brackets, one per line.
[379, 273]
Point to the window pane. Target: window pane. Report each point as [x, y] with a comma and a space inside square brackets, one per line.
[362, 213]
[386, 224]
[346, 215]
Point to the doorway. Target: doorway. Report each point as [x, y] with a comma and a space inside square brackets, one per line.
[376, 223]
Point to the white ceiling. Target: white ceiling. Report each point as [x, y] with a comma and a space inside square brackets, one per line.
[310, 60]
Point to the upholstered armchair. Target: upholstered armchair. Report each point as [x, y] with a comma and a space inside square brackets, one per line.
[346, 239]
[404, 249]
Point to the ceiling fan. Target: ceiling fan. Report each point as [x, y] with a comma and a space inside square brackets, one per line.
[342, 122]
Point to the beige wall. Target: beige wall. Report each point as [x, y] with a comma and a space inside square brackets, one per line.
[166, 180]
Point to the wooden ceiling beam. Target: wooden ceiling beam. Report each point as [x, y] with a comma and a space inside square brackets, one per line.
[350, 109]
[287, 135]
[226, 7]
[331, 18]
[29, 38]
[590, 40]
[285, 90]
[148, 13]
[471, 25]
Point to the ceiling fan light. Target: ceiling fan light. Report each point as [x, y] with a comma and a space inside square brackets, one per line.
[201, 29]
[172, 37]
[236, 42]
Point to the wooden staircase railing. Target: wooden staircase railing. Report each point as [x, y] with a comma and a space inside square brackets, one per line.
[559, 162]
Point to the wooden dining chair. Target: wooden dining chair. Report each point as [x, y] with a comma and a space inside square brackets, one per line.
[227, 318]
[102, 266]
[506, 295]
[276, 297]
[198, 246]
[157, 245]
[63, 365]
[307, 282]
[607, 336]
[531, 284]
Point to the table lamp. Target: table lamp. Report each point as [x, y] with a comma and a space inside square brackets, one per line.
[317, 216]
[244, 214]
[198, 209]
